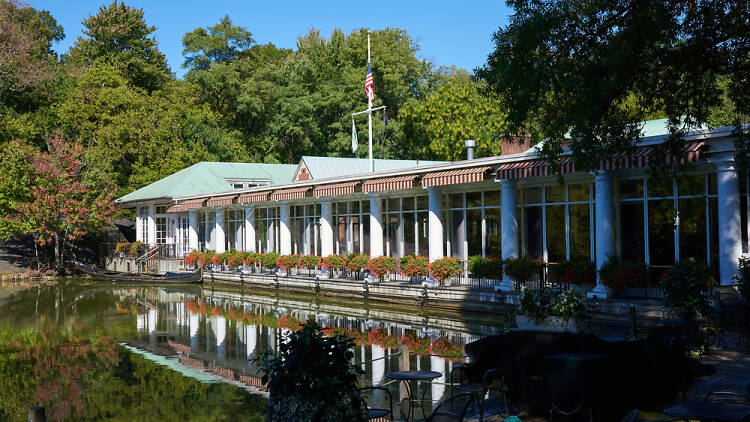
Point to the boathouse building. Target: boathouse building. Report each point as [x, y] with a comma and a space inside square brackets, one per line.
[503, 206]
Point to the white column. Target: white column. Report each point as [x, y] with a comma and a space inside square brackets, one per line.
[730, 227]
[285, 233]
[435, 222]
[437, 386]
[309, 239]
[221, 334]
[250, 239]
[326, 228]
[605, 228]
[376, 226]
[220, 236]
[251, 339]
[151, 221]
[378, 364]
[194, 324]
[508, 227]
[193, 229]
[139, 226]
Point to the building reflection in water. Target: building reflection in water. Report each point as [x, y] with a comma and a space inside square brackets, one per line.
[227, 330]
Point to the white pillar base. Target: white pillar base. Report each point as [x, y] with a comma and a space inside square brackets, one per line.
[600, 292]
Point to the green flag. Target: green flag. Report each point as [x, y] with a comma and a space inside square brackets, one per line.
[354, 137]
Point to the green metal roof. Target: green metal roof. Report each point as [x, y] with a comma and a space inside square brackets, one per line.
[325, 167]
[210, 177]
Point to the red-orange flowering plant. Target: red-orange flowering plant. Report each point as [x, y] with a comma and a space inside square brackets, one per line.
[309, 262]
[287, 262]
[416, 267]
[446, 268]
[382, 265]
[618, 274]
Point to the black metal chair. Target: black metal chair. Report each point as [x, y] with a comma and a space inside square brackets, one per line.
[375, 412]
[479, 390]
[452, 409]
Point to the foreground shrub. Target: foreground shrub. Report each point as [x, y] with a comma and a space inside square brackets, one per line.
[742, 278]
[539, 305]
[311, 378]
[685, 284]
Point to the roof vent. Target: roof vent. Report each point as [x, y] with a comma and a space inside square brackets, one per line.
[470, 144]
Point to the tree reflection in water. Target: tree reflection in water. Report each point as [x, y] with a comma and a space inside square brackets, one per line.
[82, 376]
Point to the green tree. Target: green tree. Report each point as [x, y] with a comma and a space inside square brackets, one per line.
[118, 35]
[220, 43]
[16, 181]
[585, 73]
[454, 111]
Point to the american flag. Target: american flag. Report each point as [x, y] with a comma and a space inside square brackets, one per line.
[369, 91]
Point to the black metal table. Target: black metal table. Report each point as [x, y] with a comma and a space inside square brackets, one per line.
[707, 411]
[406, 377]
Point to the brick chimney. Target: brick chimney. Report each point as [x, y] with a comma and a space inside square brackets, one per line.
[515, 144]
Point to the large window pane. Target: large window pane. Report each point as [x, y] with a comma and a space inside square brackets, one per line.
[492, 198]
[355, 233]
[660, 187]
[661, 231]
[693, 233]
[366, 233]
[532, 195]
[407, 204]
[632, 240]
[409, 235]
[392, 230]
[580, 231]
[457, 200]
[534, 247]
[631, 189]
[578, 192]
[474, 231]
[691, 185]
[341, 234]
[457, 233]
[474, 199]
[555, 233]
[492, 219]
[423, 229]
[554, 193]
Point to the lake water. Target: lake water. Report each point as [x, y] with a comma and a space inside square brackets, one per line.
[100, 351]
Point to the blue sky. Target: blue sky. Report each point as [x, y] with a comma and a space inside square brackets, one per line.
[448, 32]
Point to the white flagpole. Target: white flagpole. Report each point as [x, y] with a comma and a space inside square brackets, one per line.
[369, 112]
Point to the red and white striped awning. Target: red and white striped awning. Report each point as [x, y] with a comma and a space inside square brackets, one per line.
[286, 194]
[453, 177]
[220, 201]
[520, 170]
[691, 153]
[187, 205]
[389, 183]
[335, 189]
[251, 197]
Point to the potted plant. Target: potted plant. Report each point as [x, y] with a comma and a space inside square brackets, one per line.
[579, 271]
[380, 266]
[444, 269]
[233, 259]
[206, 258]
[742, 278]
[191, 260]
[403, 262]
[356, 264]
[488, 268]
[120, 249]
[522, 269]
[334, 262]
[312, 379]
[619, 275]
[286, 264]
[217, 260]
[417, 267]
[269, 261]
[548, 311]
[309, 262]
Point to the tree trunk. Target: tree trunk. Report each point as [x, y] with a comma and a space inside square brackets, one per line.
[59, 250]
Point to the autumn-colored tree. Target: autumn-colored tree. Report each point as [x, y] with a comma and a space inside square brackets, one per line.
[64, 206]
